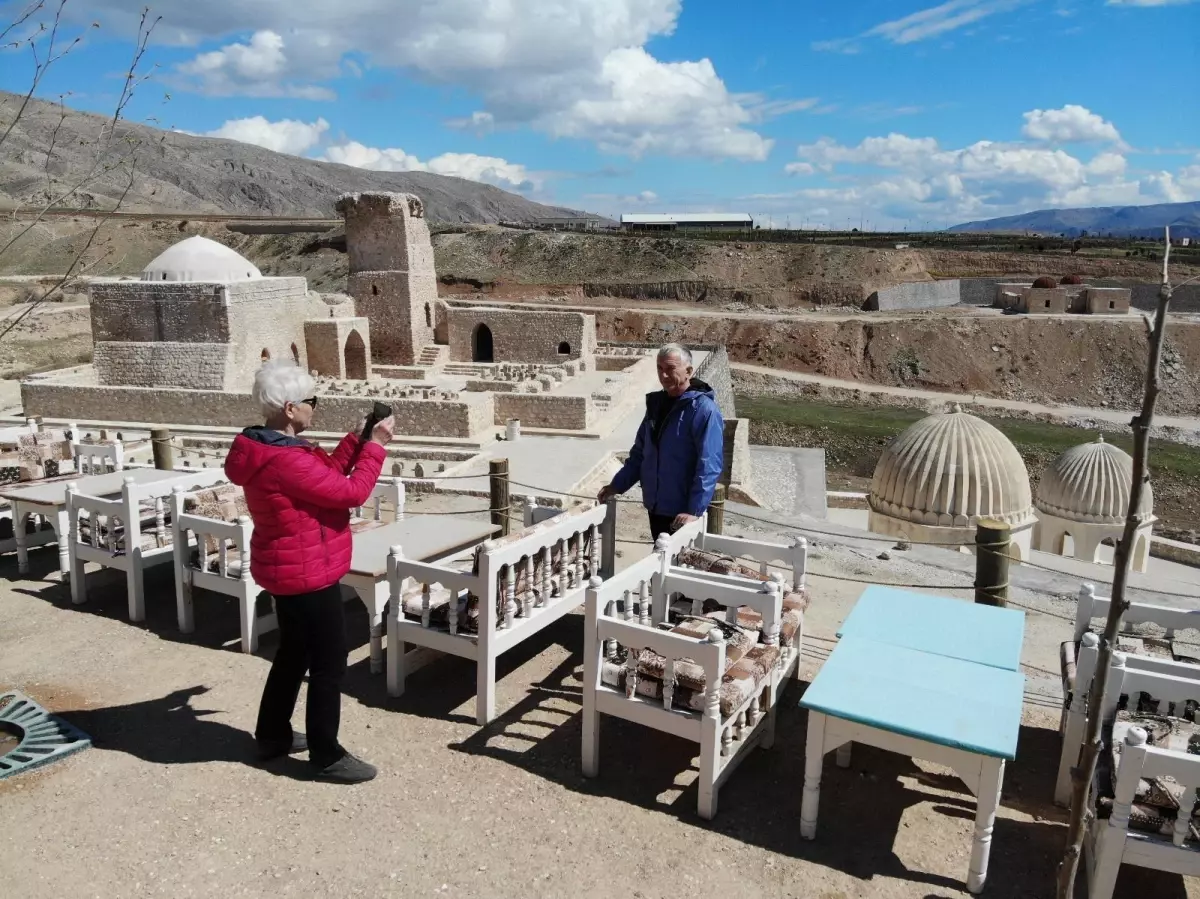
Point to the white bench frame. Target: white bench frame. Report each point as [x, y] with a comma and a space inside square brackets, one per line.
[1166, 680]
[524, 615]
[235, 537]
[1108, 844]
[724, 742]
[101, 546]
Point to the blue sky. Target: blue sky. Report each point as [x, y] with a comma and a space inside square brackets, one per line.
[896, 113]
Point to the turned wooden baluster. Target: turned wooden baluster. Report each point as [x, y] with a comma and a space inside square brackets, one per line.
[644, 603]
[631, 673]
[243, 552]
[593, 566]
[627, 605]
[160, 522]
[426, 605]
[755, 711]
[578, 560]
[547, 557]
[510, 594]
[740, 728]
[610, 645]
[669, 684]
[527, 598]
[560, 569]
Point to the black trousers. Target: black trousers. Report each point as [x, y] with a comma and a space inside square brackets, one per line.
[660, 524]
[312, 639]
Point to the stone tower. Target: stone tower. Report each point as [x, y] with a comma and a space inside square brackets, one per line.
[392, 278]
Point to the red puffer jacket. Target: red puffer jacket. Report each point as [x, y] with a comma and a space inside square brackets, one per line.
[300, 499]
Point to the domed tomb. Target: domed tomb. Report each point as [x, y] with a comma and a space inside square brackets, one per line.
[200, 259]
[1082, 501]
[939, 477]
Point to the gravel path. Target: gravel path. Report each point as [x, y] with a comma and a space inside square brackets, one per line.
[167, 803]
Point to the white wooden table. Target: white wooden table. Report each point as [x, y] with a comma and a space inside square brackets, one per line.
[961, 714]
[49, 498]
[425, 538]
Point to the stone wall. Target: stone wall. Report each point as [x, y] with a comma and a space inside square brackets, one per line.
[1108, 300]
[567, 413]
[916, 295]
[196, 366]
[333, 350]
[463, 417]
[714, 370]
[521, 336]
[1044, 300]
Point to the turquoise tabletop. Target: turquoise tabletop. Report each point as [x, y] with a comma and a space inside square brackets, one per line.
[931, 697]
[940, 625]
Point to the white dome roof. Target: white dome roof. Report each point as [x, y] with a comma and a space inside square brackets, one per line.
[950, 470]
[200, 259]
[1090, 483]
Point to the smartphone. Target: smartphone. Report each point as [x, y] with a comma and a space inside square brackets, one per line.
[378, 414]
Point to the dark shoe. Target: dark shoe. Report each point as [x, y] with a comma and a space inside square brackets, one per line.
[269, 751]
[348, 770]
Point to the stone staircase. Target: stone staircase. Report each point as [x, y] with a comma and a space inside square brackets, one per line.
[463, 370]
[433, 355]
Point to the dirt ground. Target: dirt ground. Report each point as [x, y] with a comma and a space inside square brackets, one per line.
[168, 802]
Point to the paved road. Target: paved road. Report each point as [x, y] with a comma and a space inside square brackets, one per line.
[1116, 416]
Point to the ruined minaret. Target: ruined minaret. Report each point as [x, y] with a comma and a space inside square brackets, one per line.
[392, 278]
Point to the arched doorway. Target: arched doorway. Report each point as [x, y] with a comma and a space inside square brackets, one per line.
[356, 357]
[564, 349]
[481, 344]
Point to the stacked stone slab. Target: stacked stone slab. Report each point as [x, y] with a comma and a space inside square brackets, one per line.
[392, 276]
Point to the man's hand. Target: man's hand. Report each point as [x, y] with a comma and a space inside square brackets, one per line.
[605, 494]
[681, 519]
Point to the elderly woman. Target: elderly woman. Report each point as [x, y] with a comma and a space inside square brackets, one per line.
[300, 499]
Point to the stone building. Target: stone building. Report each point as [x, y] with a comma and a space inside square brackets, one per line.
[392, 278]
[200, 317]
[1082, 501]
[940, 476]
[484, 334]
[1082, 299]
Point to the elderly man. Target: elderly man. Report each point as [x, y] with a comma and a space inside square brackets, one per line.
[679, 451]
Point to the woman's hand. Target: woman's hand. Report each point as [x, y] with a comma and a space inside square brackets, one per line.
[384, 431]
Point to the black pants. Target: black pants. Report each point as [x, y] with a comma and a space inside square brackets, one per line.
[661, 524]
[312, 638]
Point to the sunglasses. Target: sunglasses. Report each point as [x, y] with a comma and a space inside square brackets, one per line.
[311, 402]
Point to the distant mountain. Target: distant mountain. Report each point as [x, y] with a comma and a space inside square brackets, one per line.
[1120, 221]
[184, 173]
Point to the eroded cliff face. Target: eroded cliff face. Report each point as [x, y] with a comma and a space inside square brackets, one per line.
[1084, 361]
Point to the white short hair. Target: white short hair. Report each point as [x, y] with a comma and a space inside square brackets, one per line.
[674, 349]
[280, 382]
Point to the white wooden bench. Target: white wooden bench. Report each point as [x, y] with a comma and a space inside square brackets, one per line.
[129, 533]
[713, 676]
[219, 558]
[515, 586]
[1110, 842]
[1177, 681]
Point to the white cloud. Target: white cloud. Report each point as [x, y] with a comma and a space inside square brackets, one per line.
[1071, 124]
[486, 169]
[285, 136]
[1107, 165]
[256, 69]
[924, 24]
[571, 68]
[799, 168]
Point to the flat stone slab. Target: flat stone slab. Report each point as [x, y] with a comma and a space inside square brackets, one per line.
[44, 738]
[789, 480]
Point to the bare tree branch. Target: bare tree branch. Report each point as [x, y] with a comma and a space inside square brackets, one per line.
[1083, 775]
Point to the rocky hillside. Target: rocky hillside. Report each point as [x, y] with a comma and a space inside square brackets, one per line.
[186, 173]
[1121, 221]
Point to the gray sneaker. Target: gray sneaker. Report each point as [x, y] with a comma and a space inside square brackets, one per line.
[348, 770]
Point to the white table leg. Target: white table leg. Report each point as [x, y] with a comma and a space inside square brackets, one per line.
[19, 515]
[988, 800]
[62, 531]
[814, 759]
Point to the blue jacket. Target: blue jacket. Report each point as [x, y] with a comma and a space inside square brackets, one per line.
[679, 467]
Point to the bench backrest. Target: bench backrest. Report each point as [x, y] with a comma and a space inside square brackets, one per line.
[1140, 761]
[1166, 682]
[121, 517]
[1171, 619]
[730, 550]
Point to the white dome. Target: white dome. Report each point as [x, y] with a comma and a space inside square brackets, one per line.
[200, 259]
[1090, 483]
[950, 470]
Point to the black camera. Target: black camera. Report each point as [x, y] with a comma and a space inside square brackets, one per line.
[378, 414]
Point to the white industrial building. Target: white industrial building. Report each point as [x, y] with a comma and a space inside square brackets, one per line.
[687, 221]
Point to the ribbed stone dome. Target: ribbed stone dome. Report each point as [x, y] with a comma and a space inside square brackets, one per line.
[200, 259]
[1090, 483]
[950, 470]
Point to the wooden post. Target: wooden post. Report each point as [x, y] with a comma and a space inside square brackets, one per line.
[608, 540]
[992, 541]
[164, 452]
[716, 511]
[498, 481]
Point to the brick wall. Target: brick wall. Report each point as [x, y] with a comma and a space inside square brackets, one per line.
[568, 413]
[520, 335]
[464, 417]
[198, 366]
[329, 347]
